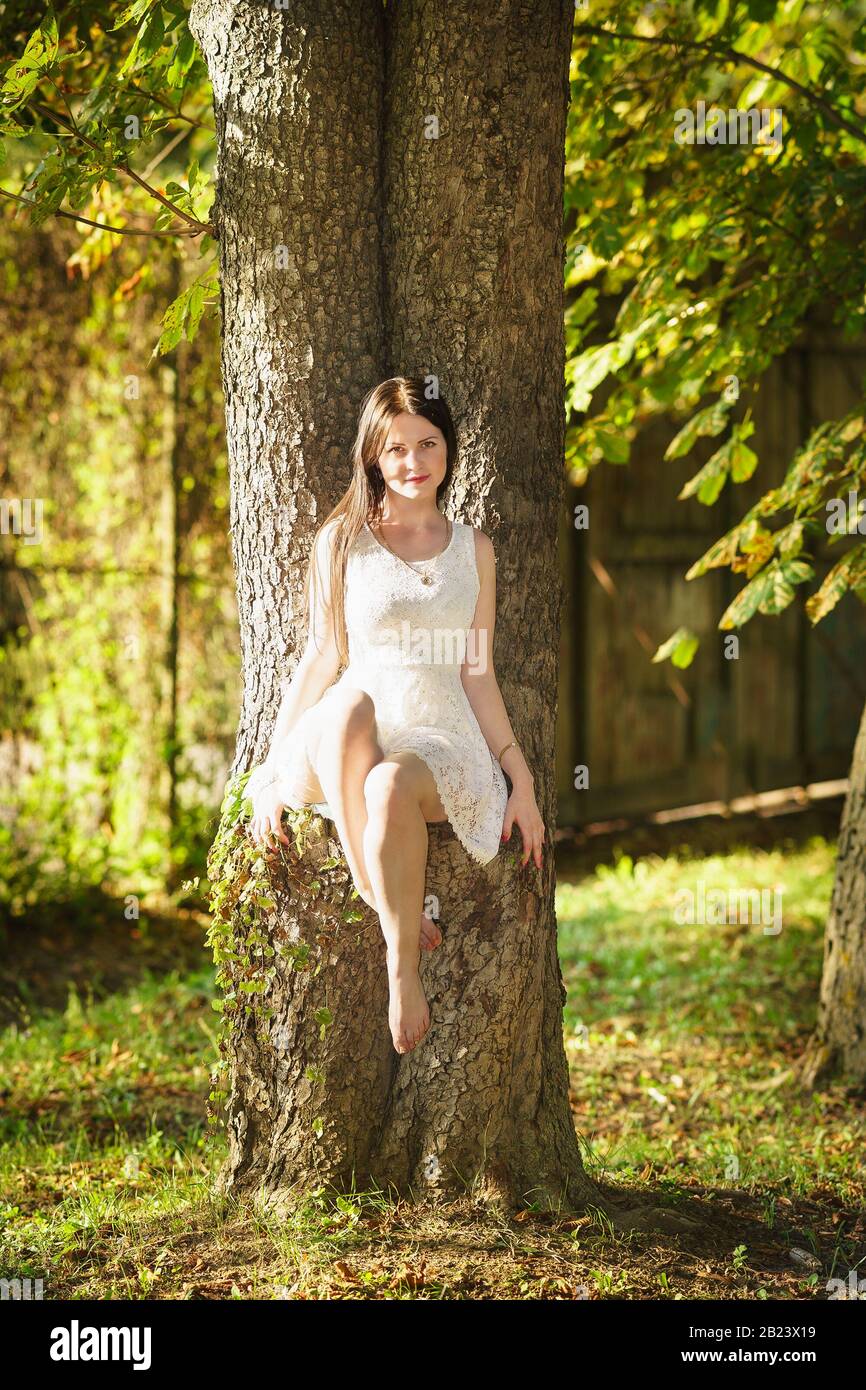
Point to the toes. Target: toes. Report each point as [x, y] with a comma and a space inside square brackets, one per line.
[430, 936]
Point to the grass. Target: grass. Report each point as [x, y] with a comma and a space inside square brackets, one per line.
[680, 1041]
[681, 1037]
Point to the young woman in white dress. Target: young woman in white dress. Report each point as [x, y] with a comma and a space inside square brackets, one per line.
[415, 729]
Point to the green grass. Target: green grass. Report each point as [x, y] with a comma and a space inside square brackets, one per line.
[680, 1040]
[680, 1037]
[102, 1129]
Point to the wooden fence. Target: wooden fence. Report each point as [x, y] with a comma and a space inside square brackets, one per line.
[786, 711]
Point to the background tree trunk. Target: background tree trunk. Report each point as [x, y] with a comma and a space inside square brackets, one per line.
[838, 1045]
[465, 285]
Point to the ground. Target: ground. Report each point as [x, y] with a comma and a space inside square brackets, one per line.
[681, 1043]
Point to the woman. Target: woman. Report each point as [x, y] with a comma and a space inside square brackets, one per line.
[415, 729]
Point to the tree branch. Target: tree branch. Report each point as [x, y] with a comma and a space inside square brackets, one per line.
[125, 169]
[106, 226]
[714, 50]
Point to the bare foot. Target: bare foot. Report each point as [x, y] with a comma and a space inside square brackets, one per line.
[408, 1011]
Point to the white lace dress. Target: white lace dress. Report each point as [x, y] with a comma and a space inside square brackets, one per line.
[407, 641]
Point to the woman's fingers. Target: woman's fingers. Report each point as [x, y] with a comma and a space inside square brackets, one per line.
[532, 834]
[263, 827]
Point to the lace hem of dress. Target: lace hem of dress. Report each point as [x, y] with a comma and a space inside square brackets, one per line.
[451, 803]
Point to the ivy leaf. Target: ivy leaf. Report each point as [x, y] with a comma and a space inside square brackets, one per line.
[324, 1018]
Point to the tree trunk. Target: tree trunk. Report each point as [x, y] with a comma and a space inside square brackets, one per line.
[407, 255]
[838, 1045]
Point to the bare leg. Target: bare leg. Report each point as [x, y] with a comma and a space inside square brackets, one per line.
[401, 796]
[345, 752]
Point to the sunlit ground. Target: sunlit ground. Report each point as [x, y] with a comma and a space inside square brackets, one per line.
[680, 1040]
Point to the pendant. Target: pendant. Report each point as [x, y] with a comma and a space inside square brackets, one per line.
[425, 579]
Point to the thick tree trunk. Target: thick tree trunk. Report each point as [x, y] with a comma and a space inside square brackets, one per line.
[837, 1048]
[464, 284]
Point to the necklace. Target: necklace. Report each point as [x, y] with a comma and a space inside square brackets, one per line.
[423, 574]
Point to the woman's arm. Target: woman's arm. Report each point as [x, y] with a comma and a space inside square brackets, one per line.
[479, 677]
[483, 693]
[319, 663]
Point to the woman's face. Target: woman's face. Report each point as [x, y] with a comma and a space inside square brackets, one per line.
[414, 458]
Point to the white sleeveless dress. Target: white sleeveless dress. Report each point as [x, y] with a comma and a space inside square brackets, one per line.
[407, 641]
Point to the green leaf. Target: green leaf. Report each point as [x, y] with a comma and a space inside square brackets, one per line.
[743, 461]
[148, 41]
[708, 481]
[324, 1018]
[182, 62]
[183, 314]
[849, 573]
[614, 447]
[789, 541]
[680, 647]
[587, 371]
[132, 14]
[710, 421]
[720, 553]
[734, 458]
[770, 592]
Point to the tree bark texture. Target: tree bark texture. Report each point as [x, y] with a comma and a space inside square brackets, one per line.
[837, 1047]
[406, 255]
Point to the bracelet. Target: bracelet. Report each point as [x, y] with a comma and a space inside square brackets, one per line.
[512, 744]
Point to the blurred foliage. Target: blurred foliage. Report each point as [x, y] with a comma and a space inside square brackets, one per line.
[118, 669]
[118, 652]
[92, 103]
[691, 266]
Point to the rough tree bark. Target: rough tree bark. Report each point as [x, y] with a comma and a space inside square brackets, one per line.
[837, 1047]
[405, 255]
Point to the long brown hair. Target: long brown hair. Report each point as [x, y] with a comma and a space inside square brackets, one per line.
[362, 501]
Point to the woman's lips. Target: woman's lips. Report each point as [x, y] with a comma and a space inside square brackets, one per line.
[418, 478]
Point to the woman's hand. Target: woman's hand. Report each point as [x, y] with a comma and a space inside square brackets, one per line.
[521, 808]
[267, 817]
